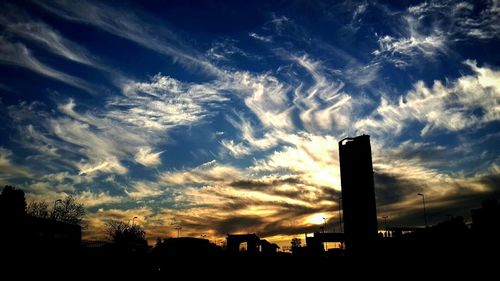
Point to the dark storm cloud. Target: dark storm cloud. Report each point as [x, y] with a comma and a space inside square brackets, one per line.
[492, 181]
[397, 197]
[272, 229]
[282, 223]
[442, 208]
[427, 152]
[297, 188]
[237, 224]
[331, 193]
[258, 184]
[393, 189]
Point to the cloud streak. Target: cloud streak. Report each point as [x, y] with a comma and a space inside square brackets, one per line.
[18, 24]
[141, 29]
[9, 170]
[17, 54]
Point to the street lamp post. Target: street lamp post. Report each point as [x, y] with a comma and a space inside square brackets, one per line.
[425, 212]
[324, 230]
[385, 222]
[178, 228]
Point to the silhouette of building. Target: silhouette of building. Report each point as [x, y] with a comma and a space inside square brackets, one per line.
[234, 241]
[54, 233]
[255, 245]
[188, 247]
[486, 226]
[486, 220]
[358, 194]
[267, 248]
[315, 244]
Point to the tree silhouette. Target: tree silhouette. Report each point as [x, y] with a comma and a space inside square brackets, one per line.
[296, 243]
[12, 203]
[69, 211]
[125, 234]
[38, 209]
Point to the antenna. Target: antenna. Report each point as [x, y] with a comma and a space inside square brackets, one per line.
[177, 226]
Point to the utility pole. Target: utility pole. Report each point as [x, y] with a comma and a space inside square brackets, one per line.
[177, 226]
[425, 213]
[385, 222]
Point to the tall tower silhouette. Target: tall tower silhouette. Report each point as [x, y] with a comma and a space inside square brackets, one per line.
[358, 194]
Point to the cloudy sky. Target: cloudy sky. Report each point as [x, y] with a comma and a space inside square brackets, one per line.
[226, 117]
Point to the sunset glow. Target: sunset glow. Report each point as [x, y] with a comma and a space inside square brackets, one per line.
[224, 117]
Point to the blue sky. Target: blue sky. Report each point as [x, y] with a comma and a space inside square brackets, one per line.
[225, 117]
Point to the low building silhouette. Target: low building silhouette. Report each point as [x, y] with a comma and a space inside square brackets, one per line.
[486, 220]
[315, 246]
[486, 226]
[255, 245]
[53, 233]
[267, 248]
[235, 240]
[185, 247]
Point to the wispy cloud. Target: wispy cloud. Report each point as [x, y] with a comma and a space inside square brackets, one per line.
[236, 149]
[19, 24]
[467, 102]
[323, 105]
[9, 170]
[85, 142]
[164, 103]
[312, 157]
[91, 199]
[256, 139]
[139, 28]
[140, 190]
[266, 97]
[412, 44]
[207, 173]
[129, 129]
[260, 37]
[427, 45]
[463, 19]
[430, 28]
[227, 50]
[18, 55]
[148, 158]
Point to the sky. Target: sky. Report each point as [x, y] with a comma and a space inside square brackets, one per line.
[225, 116]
